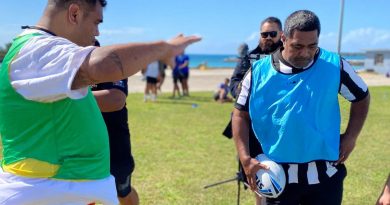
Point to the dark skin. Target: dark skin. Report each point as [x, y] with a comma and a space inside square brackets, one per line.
[299, 50]
[384, 198]
[240, 127]
[79, 24]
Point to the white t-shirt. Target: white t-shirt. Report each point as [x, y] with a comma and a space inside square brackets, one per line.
[152, 70]
[45, 68]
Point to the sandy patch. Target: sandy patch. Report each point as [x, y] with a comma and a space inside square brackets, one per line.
[208, 80]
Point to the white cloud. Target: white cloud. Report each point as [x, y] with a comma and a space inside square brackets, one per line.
[330, 35]
[366, 38]
[253, 36]
[328, 41]
[123, 31]
[357, 40]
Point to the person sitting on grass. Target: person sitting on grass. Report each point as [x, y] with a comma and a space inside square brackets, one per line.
[222, 94]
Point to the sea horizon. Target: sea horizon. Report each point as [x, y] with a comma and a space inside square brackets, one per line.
[218, 61]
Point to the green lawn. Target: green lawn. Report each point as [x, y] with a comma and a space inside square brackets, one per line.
[178, 149]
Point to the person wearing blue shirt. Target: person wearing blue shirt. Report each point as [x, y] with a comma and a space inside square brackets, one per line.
[291, 100]
[181, 72]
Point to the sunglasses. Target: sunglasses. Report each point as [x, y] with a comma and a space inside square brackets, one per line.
[271, 33]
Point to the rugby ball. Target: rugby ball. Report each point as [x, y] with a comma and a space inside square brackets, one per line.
[270, 183]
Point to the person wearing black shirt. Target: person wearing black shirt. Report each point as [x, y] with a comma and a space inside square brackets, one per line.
[270, 32]
[111, 99]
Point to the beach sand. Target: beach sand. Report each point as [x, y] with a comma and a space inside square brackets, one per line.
[209, 80]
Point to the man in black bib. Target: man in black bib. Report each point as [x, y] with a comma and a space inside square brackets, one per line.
[111, 98]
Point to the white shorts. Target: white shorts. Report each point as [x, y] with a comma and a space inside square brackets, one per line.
[16, 190]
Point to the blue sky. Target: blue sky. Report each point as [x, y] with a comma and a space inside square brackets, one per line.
[223, 24]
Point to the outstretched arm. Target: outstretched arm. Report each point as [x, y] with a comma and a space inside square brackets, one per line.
[112, 63]
[357, 116]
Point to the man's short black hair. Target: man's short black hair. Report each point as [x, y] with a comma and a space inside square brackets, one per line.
[272, 19]
[301, 20]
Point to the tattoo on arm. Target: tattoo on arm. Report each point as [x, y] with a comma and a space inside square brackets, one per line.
[102, 68]
[117, 61]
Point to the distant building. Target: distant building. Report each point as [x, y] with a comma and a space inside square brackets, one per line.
[378, 60]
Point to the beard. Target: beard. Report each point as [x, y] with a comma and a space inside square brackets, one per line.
[301, 62]
[269, 46]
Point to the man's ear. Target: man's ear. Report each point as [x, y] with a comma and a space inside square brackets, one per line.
[74, 13]
[283, 39]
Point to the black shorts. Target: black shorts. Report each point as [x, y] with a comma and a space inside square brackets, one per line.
[184, 76]
[328, 192]
[121, 163]
[151, 80]
[180, 77]
[177, 78]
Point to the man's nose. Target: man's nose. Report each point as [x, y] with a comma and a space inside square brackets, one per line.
[305, 53]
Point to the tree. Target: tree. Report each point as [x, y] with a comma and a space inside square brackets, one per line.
[4, 51]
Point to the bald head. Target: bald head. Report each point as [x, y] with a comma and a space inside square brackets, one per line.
[75, 20]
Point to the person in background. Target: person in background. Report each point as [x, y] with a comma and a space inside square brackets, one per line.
[55, 141]
[182, 64]
[222, 93]
[161, 78]
[291, 100]
[111, 99]
[242, 52]
[177, 77]
[151, 74]
[270, 33]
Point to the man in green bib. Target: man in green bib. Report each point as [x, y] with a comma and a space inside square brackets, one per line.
[55, 142]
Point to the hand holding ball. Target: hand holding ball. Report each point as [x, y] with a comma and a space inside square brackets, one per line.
[271, 182]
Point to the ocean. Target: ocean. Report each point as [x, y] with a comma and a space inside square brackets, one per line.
[218, 61]
[212, 60]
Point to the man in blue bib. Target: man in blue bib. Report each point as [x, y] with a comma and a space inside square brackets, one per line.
[291, 98]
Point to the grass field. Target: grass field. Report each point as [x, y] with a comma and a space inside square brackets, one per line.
[178, 149]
